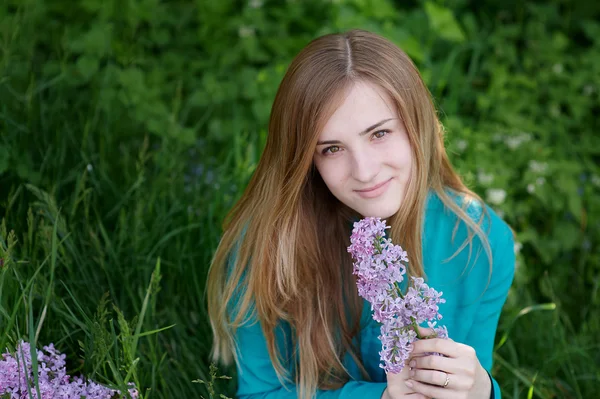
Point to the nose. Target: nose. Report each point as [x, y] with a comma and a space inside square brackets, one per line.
[365, 166]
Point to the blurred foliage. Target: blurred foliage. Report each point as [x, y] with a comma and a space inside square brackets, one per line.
[139, 122]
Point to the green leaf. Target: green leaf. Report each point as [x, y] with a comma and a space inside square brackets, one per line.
[4, 159]
[87, 66]
[408, 43]
[443, 22]
[96, 41]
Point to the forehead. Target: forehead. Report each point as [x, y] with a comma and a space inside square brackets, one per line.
[362, 105]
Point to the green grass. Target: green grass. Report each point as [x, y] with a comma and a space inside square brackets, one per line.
[120, 288]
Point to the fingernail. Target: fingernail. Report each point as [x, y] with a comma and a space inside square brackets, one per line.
[412, 363]
[411, 373]
[408, 384]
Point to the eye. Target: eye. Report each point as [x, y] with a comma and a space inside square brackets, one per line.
[380, 134]
[331, 150]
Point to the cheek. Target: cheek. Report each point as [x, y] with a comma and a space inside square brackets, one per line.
[402, 152]
[332, 174]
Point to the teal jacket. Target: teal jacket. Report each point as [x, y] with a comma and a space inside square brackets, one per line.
[471, 312]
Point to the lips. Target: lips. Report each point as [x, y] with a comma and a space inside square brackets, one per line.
[375, 191]
[366, 190]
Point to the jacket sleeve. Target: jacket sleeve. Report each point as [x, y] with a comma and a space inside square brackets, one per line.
[257, 377]
[482, 334]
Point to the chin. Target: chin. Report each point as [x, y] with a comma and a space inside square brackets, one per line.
[379, 213]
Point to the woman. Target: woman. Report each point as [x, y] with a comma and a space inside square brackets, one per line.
[353, 133]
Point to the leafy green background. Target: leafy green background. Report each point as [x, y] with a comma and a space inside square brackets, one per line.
[129, 127]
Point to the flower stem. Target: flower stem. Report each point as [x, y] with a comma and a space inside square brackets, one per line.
[416, 328]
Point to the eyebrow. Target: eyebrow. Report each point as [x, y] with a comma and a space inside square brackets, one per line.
[367, 130]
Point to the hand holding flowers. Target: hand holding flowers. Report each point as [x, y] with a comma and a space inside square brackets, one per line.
[380, 269]
[459, 367]
[439, 367]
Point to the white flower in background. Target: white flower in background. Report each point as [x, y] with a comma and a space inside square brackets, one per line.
[540, 181]
[461, 145]
[246, 31]
[89, 167]
[497, 138]
[588, 90]
[513, 142]
[530, 188]
[495, 196]
[484, 178]
[558, 68]
[517, 247]
[595, 179]
[538, 167]
[255, 3]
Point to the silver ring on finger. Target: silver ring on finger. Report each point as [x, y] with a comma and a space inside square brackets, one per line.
[447, 381]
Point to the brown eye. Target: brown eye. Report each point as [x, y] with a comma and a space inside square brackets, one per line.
[331, 150]
[380, 134]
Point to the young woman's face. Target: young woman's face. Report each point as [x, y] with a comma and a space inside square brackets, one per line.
[363, 154]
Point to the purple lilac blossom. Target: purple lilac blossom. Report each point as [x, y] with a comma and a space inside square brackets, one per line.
[380, 266]
[16, 375]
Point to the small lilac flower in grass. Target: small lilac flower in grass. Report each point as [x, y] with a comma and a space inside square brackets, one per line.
[380, 266]
[16, 375]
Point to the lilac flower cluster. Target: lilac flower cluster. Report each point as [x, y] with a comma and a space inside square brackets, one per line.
[16, 375]
[379, 267]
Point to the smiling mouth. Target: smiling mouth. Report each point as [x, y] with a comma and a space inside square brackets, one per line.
[366, 190]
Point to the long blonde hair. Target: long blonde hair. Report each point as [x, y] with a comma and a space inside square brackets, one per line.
[282, 257]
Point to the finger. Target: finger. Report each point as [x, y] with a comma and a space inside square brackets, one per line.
[416, 395]
[439, 363]
[402, 375]
[425, 332]
[432, 391]
[443, 346]
[433, 377]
